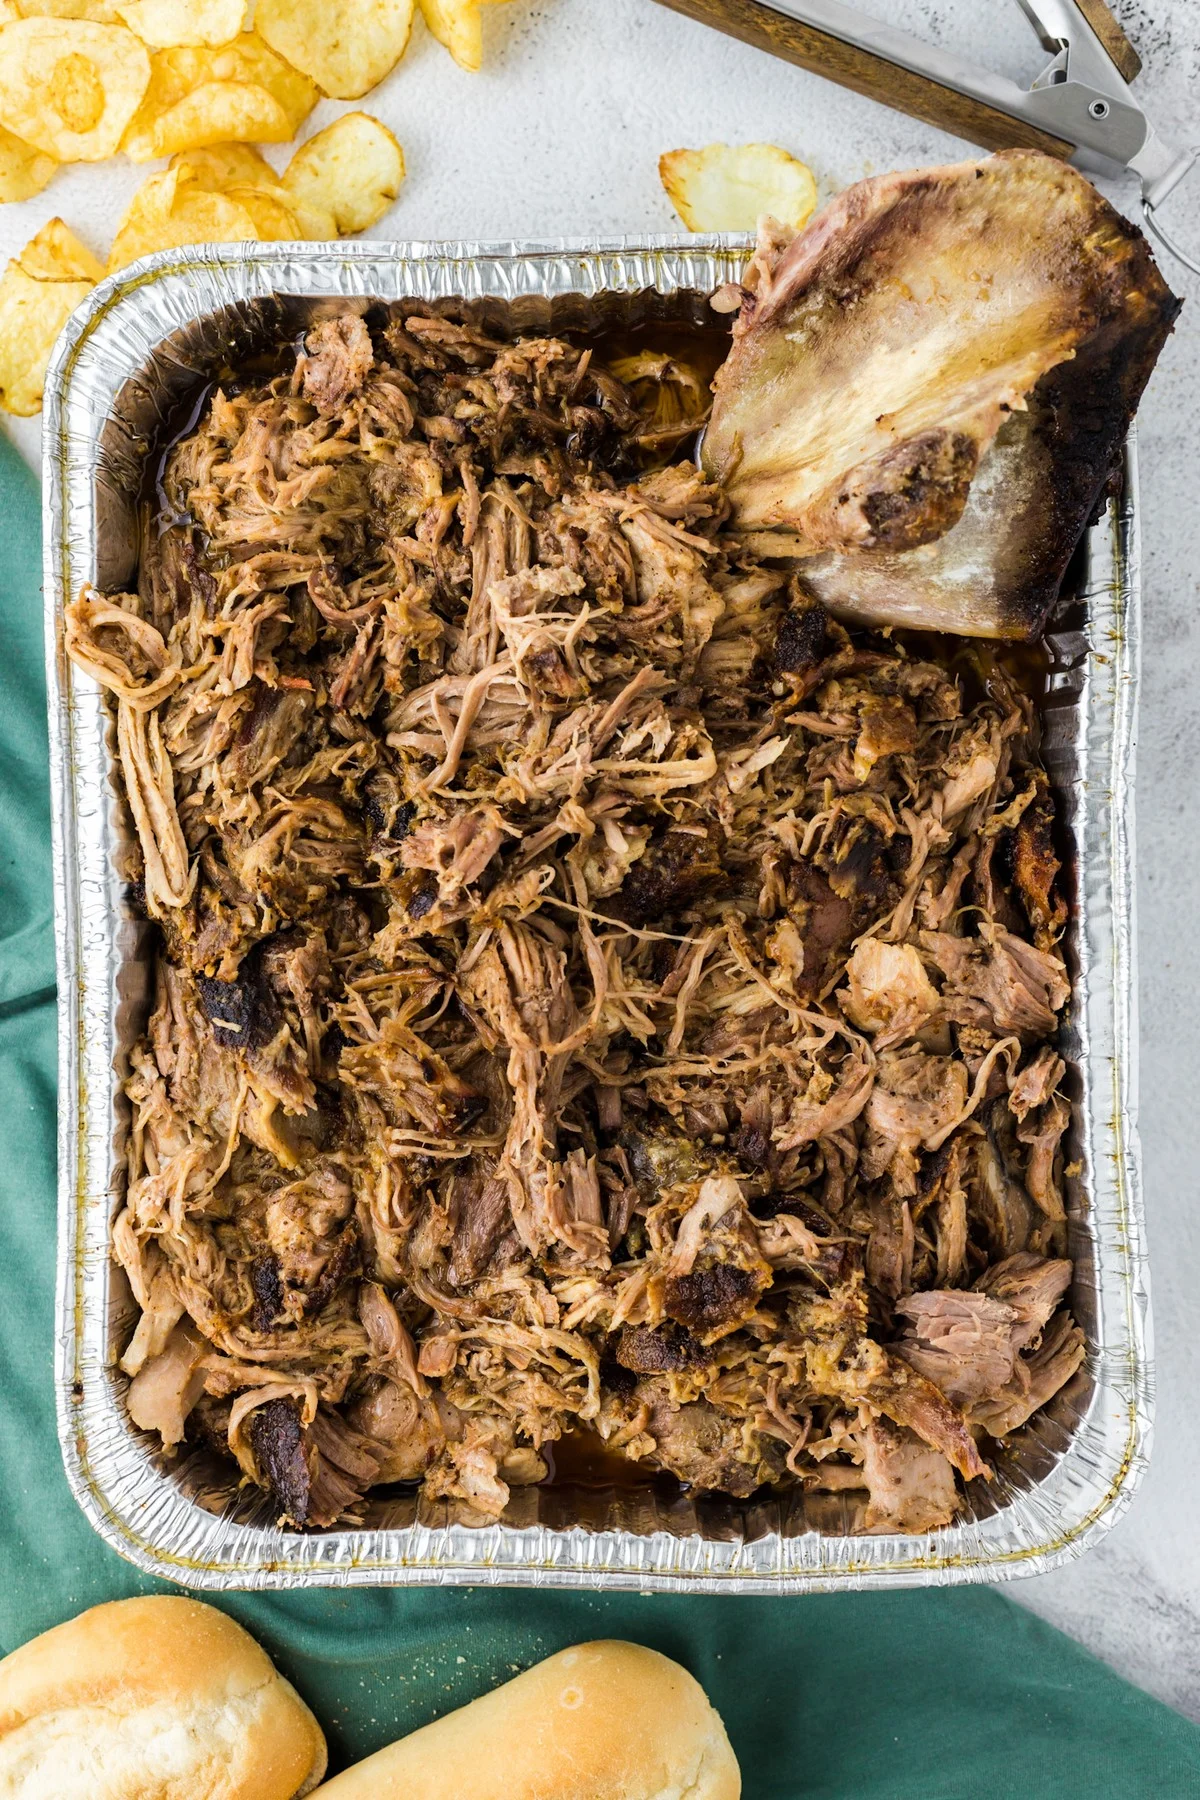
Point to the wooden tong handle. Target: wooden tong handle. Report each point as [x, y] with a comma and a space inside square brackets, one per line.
[1124, 57]
[874, 76]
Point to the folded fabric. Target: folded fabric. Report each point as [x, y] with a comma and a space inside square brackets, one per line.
[941, 1695]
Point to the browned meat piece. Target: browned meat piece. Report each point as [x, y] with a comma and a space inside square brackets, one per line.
[1021, 988]
[338, 359]
[1036, 867]
[854, 860]
[889, 1258]
[313, 1242]
[802, 637]
[663, 1351]
[989, 889]
[826, 921]
[998, 1202]
[910, 1399]
[245, 1016]
[661, 1159]
[843, 446]
[167, 1387]
[714, 1299]
[1036, 1379]
[479, 1203]
[986, 1350]
[1032, 1286]
[1043, 1133]
[887, 727]
[715, 1272]
[266, 1283]
[1036, 1082]
[696, 1442]
[675, 871]
[406, 1434]
[277, 1439]
[964, 1342]
[317, 1473]
[911, 1486]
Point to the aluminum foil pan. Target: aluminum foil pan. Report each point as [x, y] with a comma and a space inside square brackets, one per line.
[131, 363]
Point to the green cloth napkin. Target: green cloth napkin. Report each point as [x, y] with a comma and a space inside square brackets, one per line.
[936, 1695]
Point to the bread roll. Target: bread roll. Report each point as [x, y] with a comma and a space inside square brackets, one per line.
[155, 1699]
[604, 1721]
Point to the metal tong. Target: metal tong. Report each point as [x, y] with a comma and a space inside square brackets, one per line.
[1080, 107]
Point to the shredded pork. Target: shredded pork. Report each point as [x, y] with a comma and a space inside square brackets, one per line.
[596, 992]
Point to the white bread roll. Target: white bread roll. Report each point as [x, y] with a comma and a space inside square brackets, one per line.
[155, 1699]
[605, 1721]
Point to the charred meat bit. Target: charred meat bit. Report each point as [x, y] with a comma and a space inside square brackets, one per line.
[277, 1440]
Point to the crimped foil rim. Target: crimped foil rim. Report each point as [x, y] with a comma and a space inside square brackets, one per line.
[134, 1504]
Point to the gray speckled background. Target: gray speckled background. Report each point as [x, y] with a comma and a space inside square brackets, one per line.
[561, 134]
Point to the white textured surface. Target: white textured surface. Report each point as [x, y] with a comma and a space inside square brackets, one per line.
[561, 134]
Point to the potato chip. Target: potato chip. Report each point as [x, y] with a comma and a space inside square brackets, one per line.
[274, 219]
[347, 46]
[32, 313]
[239, 170]
[68, 87]
[295, 91]
[24, 171]
[167, 212]
[100, 12]
[213, 114]
[315, 222]
[184, 79]
[459, 25]
[56, 254]
[222, 166]
[725, 187]
[164, 24]
[351, 170]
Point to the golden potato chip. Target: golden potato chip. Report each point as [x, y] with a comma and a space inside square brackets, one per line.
[179, 78]
[459, 25]
[347, 46]
[165, 23]
[69, 87]
[239, 170]
[725, 187]
[167, 212]
[24, 171]
[32, 313]
[315, 222]
[100, 12]
[56, 254]
[213, 114]
[249, 58]
[274, 219]
[222, 166]
[352, 170]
